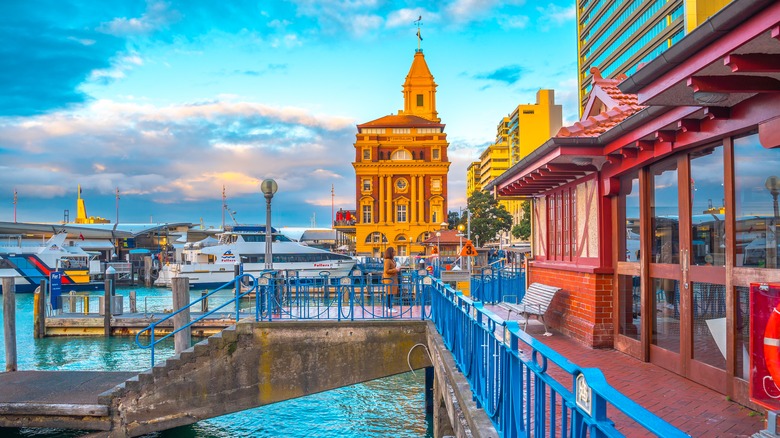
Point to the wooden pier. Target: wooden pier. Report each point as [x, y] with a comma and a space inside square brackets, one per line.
[129, 324]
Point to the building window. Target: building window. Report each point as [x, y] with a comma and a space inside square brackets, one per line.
[400, 155]
[401, 185]
[366, 185]
[402, 130]
[366, 154]
[435, 154]
[561, 212]
[428, 130]
[436, 185]
[400, 213]
[401, 251]
[376, 237]
[367, 214]
[756, 203]
[528, 111]
[435, 217]
[372, 131]
[419, 100]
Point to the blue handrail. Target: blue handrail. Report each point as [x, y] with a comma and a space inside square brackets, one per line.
[507, 369]
[243, 278]
[513, 384]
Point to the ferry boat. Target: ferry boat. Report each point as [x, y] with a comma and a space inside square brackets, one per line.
[212, 265]
[30, 262]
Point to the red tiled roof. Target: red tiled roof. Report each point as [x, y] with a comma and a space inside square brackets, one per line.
[405, 121]
[619, 106]
[448, 237]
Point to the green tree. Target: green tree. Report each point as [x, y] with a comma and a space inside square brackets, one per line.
[453, 219]
[522, 230]
[488, 218]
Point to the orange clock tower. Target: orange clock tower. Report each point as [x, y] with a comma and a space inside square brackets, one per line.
[401, 170]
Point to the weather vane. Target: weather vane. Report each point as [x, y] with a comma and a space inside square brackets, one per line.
[418, 22]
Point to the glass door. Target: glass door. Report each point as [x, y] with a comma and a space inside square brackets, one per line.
[664, 195]
[704, 270]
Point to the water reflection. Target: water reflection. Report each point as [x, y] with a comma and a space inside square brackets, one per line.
[756, 189]
[393, 406]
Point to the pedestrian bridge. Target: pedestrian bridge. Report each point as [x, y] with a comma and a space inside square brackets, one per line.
[488, 377]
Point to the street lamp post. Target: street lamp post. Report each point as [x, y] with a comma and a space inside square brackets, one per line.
[268, 187]
[438, 251]
[460, 243]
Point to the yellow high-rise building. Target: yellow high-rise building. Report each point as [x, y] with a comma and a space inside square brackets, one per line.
[473, 178]
[401, 167]
[532, 124]
[517, 135]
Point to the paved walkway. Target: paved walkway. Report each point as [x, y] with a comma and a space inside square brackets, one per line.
[693, 408]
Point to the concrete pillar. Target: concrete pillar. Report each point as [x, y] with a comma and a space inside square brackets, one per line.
[182, 340]
[9, 322]
[441, 421]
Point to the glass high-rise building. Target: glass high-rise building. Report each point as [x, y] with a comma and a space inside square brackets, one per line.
[616, 36]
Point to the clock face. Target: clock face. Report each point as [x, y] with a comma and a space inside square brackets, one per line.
[400, 184]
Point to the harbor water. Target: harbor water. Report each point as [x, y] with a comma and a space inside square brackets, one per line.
[393, 406]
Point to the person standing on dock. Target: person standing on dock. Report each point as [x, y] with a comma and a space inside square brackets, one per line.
[390, 277]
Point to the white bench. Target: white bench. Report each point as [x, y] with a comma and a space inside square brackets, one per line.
[535, 302]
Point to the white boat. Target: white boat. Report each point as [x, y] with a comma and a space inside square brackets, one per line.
[29, 262]
[209, 264]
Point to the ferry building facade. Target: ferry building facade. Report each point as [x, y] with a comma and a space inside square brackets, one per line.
[401, 170]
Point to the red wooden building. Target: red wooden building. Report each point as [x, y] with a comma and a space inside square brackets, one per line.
[657, 210]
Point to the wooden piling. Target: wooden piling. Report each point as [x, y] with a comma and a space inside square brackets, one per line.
[133, 302]
[204, 305]
[182, 340]
[39, 312]
[9, 322]
[148, 271]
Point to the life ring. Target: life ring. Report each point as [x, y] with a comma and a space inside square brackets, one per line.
[772, 350]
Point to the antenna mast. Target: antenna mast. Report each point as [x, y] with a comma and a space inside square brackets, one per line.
[117, 205]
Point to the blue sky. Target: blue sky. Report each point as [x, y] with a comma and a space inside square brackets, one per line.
[169, 101]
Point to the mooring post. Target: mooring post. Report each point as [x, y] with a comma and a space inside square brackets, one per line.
[39, 311]
[148, 271]
[133, 302]
[9, 322]
[182, 340]
[204, 304]
[108, 297]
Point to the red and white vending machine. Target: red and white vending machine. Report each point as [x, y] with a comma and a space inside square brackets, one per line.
[765, 344]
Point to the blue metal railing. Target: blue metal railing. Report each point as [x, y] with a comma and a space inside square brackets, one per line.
[527, 390]
[514, 385]
[493, 285]
[246, 279]
[294, 298]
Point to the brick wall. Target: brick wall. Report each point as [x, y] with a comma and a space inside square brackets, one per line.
[582, 309]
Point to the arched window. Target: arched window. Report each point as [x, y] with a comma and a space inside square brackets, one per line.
[376, 237]
[401, 154]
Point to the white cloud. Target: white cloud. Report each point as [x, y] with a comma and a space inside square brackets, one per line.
[554, 16]
[157, 16]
